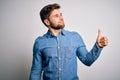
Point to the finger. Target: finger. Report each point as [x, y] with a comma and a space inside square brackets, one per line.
[104, 39]
[103, 43]
[99, 32]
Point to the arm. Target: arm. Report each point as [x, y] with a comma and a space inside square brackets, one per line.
[36, 69]
[89, 57]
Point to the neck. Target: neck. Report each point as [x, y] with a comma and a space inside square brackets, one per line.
[55, 32]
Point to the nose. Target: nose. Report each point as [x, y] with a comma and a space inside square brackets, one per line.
[61, 17]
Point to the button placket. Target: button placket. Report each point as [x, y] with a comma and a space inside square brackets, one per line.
[59, 59]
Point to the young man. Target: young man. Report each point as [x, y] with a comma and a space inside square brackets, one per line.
[55, 53]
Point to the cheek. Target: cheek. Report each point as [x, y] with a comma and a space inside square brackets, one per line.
[56, 20]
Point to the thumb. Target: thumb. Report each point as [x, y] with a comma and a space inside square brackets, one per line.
[99, 33]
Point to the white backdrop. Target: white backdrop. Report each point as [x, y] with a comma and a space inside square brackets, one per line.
[20, 25]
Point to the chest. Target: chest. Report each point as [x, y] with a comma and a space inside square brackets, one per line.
[59, 46]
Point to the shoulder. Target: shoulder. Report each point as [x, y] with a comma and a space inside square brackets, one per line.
[75, 37]
[39, 38]
[39, 41]
[72, 33]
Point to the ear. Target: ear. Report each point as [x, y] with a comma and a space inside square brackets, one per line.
[46, 21]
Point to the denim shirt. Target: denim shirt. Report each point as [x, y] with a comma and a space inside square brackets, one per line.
[55, 58]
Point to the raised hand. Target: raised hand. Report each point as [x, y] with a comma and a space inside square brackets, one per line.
[102, 41]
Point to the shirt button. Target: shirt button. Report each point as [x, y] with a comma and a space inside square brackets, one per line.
[60, 69]
[59, 58]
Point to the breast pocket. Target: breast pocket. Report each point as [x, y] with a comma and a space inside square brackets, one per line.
[69, 52]
[49, 52]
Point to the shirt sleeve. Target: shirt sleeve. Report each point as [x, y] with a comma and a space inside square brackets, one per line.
[87, 57]
[36, 68]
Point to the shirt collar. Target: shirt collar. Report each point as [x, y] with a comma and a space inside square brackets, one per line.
[49, 33]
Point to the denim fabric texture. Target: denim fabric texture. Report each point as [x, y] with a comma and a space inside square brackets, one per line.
[55, 57]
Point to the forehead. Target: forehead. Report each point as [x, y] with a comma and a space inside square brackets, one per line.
[55, 11]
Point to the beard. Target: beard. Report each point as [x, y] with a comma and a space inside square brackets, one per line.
[57, 27]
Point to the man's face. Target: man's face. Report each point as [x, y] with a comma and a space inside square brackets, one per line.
[56, 20]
